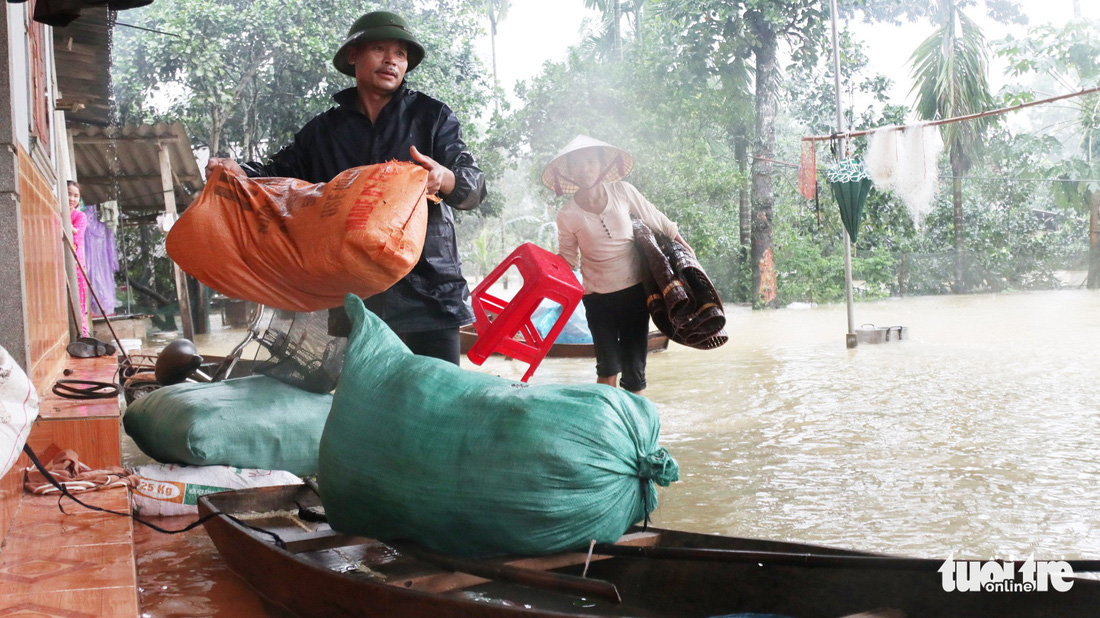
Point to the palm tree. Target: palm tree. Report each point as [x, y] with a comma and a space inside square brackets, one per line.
[613, 11]
[498, 10]
[949, 70]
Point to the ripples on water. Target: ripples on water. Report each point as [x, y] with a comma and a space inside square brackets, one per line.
[978, 435]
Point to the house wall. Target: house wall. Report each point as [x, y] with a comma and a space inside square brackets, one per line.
[34, 325]
[44, 268]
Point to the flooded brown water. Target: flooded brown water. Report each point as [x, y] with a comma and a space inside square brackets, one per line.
[978, 435]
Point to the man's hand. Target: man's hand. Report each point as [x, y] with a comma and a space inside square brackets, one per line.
[440, 179]
[231, 166]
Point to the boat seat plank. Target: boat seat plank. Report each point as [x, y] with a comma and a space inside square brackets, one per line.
[324, 539]
[436, 580]
[408, 572]
[328, 538]
[440, 581]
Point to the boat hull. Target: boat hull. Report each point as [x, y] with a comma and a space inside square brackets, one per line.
[322, 573]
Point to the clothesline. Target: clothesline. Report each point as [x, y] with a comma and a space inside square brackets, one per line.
[775, 161]
[993, 112]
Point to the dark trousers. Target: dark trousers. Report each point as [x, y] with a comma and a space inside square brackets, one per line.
[619, 322]
[443, 343]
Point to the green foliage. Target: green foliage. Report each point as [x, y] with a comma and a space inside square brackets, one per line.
[684, 160]
[949, 69]
[1017, 235]
[682, 96]
[809, 249]
[1071, 56]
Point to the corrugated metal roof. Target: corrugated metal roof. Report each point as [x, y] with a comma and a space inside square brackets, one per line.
[123, 163]
[82, 52]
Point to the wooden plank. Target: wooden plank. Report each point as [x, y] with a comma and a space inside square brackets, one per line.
[182, 294]
[330, 539]
[436, 581]
[434, 578]
[114, 139]
[486, 570]
[326, 539]
[119, 178]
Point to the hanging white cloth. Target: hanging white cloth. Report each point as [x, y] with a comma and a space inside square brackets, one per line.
[882, 157]
[918, 173]
[907, 163]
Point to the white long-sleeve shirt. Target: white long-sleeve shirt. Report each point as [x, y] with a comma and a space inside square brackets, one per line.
[605, 241]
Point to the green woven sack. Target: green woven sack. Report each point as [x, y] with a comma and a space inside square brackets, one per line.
[253, 422]
[471, 464]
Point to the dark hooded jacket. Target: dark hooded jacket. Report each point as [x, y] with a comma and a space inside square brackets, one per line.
[434, 295]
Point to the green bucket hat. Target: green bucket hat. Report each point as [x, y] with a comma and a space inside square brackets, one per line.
[378, 26]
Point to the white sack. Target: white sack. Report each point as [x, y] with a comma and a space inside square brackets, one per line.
[174, 489]
[18, 409]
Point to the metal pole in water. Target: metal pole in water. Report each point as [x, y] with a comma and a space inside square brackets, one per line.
[850, 337]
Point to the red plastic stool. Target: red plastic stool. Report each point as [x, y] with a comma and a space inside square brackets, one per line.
[545, 276]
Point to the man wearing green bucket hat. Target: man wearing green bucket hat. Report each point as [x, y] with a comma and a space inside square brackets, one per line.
[378, 120]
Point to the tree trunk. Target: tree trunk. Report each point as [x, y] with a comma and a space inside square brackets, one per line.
[493, 41]
[744, 220]
[215, 133]
[764, 285]
[618, 35]
[1093, 280]
[960, 243]
[741, 153]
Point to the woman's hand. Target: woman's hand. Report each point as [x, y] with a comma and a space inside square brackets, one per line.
[440, 179]
[680, 239]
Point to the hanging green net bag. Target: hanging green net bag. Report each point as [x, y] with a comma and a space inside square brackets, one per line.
[471, 464]
[851, 185]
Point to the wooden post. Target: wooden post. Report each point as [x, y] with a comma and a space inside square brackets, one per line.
[167, 188]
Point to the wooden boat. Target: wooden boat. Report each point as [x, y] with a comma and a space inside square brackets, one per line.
[319, 572]
[658, 342]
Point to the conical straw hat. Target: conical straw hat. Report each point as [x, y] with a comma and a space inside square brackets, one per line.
[618, 161]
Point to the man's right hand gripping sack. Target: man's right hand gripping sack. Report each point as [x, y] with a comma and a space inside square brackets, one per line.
[293, 245]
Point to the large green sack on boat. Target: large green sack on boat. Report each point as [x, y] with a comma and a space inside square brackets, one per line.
[253, 422]
[471, 464]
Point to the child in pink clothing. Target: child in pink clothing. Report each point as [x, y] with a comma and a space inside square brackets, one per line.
[80, 224]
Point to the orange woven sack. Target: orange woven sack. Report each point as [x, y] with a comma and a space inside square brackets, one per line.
[294, 245]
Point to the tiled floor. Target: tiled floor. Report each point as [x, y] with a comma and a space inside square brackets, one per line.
[77, 563]
[85, 563]
[72, 565]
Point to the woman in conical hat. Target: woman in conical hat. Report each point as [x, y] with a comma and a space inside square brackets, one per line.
[596, 224]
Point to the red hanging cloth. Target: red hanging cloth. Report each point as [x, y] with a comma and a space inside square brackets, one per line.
[807, 170]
